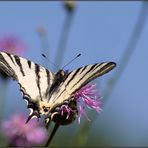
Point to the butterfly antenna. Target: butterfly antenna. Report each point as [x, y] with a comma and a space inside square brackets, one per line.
[52, 135]
[72, 60]
[43, 55]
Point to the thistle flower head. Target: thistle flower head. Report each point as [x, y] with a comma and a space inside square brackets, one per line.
[20, 134]
[87, 96]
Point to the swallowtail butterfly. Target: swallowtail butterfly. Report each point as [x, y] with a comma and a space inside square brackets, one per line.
[46, 91]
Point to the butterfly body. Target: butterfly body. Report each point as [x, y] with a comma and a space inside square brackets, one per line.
[44, 91]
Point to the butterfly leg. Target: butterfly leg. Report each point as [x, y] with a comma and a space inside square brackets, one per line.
[47, 123]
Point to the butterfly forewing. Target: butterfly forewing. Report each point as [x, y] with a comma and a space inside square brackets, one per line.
[80, 77]
[34, 80]
[77, 79]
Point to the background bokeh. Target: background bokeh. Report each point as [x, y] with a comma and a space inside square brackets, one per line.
[100, 31]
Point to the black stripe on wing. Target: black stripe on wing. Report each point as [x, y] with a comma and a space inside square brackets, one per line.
[82, 69]
[87, 72]
[37, 72]
[5, 67]
[17, 60]
[100, 72]
[11, 58]
[48, 76]
[92, 69]
[29, 63]
[73, 75]
[84, 75]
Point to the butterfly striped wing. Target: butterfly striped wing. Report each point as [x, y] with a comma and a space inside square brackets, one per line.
[34, 80]
[77, 79]
[81, 76]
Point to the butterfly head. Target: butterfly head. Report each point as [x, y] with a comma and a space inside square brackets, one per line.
[61, 73]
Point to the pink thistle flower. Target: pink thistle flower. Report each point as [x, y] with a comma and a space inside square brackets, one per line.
[87, 96]
[20, 134]
[11, 44]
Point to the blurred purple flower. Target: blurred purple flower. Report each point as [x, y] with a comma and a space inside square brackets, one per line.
[20, 134]
[88, 96]
[11, 44]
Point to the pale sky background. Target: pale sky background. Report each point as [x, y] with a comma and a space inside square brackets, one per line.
[100, 31]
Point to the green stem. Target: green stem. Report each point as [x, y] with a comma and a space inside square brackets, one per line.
[52, 135]
[3, 92]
